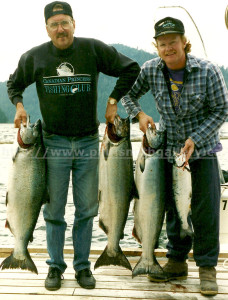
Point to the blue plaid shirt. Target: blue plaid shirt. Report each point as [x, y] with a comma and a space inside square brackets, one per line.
[203, 103]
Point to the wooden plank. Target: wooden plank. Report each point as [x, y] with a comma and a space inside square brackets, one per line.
[55, 297]
[109, 270]
[107, 293]
[106, 283]
[137, 294]
[113, 282]
[157, 296]
[117, 270]
[35, 290]
[5, 251]
[132, 259]
[118, 277]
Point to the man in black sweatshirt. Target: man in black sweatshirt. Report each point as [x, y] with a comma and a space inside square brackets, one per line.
[66, 71]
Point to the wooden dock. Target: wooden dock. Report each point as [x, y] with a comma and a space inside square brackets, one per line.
[112, 282]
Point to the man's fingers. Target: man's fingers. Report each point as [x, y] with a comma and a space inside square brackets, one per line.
[20, 117]
[111, 112]
[17, 123]
[24, 120]
[153, 124]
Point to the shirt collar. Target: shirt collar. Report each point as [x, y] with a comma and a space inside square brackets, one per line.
[191, 63]
[65, 52]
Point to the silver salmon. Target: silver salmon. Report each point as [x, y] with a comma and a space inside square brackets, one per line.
[116, 186]
[149, 207]
[182, 191]
[25, 195]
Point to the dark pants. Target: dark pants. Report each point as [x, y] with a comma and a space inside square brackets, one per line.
[205, 208]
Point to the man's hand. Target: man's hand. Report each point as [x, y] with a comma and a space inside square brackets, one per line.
[188, 150]
[111, 111]
[20, 116]
[144, 121]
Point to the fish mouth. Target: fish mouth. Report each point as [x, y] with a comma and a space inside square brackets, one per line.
[20, 141]
[179, 161]
[119, 130]
[146, 147]
[122, 126]
[155, 138]
[111, 131]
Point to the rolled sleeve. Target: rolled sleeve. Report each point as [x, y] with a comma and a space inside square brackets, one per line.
[131, 100]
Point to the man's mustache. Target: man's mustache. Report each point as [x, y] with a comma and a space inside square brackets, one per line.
[62, 34]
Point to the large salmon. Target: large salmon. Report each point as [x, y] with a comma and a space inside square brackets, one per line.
[116, 186]
[25, 195]
[149, 208]
[182, 192]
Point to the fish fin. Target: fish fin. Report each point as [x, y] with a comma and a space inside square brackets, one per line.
[15, 154]
[6, 198]
[12, 263]
[106, 151]
[7, 225]
[103, 227]
[99, 195]
[31, 239]
[135, 235]
[142, 163]
[144, 266]
[134, 191]
[119, 260]
[46, 197]
[186, 232]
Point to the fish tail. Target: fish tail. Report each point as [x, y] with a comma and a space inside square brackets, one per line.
[140, 268]
[119, 260]
[153, 269]
[12, 263]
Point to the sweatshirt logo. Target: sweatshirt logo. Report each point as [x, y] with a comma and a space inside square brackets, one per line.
[65, 69]
[67, 82]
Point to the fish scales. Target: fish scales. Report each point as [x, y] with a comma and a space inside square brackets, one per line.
[182, 192]
[149, 207]
[25, 196]
[116, 185]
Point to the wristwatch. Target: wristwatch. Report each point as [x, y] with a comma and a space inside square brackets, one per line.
[112, 101]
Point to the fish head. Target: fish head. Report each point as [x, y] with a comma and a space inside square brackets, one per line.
[155, 138]
[37, 129]
[122, 126]
[179, 159]
[28, 134]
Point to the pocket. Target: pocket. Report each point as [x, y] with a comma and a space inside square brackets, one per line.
[94, 135]
[163, 103]
[193, 103]
[159, 102]
[47, 135]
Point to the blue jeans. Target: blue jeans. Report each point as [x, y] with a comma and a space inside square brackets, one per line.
[79, 155]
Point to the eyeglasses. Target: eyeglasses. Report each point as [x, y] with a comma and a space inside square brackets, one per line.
[64, 24]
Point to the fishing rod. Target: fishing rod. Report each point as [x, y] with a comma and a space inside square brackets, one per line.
[226, 17]
[195, 23]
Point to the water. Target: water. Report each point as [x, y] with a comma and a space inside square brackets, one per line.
[7, 136]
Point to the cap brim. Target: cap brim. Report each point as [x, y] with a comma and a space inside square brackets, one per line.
[168, 32]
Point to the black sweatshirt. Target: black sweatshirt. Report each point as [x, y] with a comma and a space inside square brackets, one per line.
[66, 82]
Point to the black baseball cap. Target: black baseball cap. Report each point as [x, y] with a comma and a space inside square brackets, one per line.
[168, 25]
[64, 8]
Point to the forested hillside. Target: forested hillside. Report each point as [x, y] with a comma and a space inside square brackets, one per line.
[105, 86]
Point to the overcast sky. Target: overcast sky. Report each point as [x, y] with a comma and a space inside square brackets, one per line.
[129, 22]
